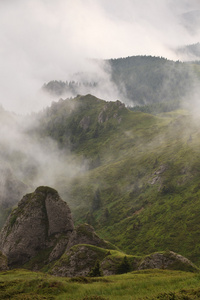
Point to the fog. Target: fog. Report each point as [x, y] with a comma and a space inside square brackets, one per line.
[46, 40]
[28, 160]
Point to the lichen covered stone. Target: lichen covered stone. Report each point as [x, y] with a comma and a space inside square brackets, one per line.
[36, 224]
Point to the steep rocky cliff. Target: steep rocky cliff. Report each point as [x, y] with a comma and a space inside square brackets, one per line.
[38, 223]
[41, 229]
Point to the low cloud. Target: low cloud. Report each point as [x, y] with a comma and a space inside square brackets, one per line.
[45, 40]
[28, 161]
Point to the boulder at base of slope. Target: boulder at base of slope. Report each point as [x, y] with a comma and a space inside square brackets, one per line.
[167, 260]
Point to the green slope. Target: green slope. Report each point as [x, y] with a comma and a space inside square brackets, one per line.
[141, 190]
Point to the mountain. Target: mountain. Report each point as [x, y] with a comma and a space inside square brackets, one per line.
[140, 189]
[139, 80]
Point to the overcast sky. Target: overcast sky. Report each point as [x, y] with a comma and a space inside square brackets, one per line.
[42, 40]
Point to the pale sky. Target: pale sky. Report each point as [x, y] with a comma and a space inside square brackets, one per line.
[43, 40]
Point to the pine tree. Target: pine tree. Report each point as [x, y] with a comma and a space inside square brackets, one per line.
[124, 267]
[96, 271]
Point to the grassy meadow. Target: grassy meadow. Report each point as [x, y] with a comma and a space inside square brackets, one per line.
[148, 284]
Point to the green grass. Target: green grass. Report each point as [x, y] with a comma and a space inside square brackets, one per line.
[22, 284]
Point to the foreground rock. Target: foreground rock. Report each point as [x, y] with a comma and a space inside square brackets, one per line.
[41, 229]
[167, 260]
[78, 261]
[38, 222]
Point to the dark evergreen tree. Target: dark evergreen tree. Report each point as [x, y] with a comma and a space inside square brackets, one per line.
[96, 271]
[124, 267]
[96, 204]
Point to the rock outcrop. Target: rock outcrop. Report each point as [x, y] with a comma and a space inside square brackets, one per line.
[167, 260]
[85, 234]
[38, 223]
[41, 226]
[111, 110]
[78, 261]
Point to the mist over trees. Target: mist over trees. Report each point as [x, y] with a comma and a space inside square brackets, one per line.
[69, 87]
[140, 81]
[147, 80]
[192, 51]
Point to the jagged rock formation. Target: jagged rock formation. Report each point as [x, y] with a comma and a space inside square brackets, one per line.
[106, 113]
[38, 222]
[42, 225]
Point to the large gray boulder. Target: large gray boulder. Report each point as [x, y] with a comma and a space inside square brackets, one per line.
[38, 223]
[167, 260]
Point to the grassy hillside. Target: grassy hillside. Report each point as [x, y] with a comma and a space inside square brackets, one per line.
[149, 285]
[141, 188]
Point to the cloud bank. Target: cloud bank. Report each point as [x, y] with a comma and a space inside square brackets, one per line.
[42, 40]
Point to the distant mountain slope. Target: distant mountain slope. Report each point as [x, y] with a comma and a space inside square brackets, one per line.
[140, 80]
[147, 80]
[141, 188]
